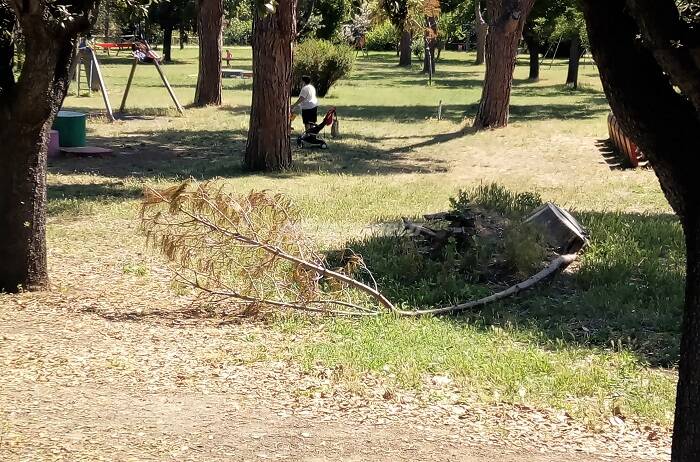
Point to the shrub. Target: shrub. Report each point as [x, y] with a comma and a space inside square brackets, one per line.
[524, 249]
[418, 47]
[382, 37]
[238, 32]
[323, 61]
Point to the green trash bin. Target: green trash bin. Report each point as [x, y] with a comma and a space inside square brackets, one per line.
[71, 128]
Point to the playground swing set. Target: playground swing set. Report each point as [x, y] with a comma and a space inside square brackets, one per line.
[142, 53]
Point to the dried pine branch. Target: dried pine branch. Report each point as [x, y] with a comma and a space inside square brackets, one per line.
[248, 248]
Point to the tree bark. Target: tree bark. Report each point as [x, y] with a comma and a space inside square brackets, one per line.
[481, 31]
[431, 42]
[574, 59]
[533, 48]
[663, 122]
[501, 49]
[27, 110]
[107, 10]
[209, 27]
[167, 43]
[405, 49]
[686, 432]
[268, 147]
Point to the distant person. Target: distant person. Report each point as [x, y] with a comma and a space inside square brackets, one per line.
[228, 58]
[307, 102]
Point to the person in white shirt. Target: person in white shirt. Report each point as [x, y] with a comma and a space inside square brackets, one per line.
[307, 102]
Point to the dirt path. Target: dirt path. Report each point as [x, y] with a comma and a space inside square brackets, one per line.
[77, 386]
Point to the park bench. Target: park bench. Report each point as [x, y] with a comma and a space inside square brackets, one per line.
[622, 143]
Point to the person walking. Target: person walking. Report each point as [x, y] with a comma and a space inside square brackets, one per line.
[307, 102]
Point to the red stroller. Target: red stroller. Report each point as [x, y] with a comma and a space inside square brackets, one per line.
[311, 137]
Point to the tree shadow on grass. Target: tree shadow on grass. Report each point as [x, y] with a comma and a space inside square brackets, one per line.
[624, 292]
[454, 112]
[73, 198]
[180, 154]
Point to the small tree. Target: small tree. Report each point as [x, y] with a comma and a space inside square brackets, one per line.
[431, 11]
[645, 54]
[171, 15]
[210, 17]
[507, 19]
[28, 106]
[274, 30]
[481, 30]
[570, 25]
[398, 12]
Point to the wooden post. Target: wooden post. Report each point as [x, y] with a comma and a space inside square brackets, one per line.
[128, 85]
[77, 71]
[101, 82]
[180, 109]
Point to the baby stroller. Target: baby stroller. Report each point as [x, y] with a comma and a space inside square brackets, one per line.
[310, 136]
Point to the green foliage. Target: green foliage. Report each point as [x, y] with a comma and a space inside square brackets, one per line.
[323, 61]
[495, 197]
[524, 250]
[418, 47]
[569, 25]
[382, 37]
[453, 26]
[238, 32]
[332, 13]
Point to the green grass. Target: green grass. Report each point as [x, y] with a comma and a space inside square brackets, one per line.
[603, 335]
[497, 364]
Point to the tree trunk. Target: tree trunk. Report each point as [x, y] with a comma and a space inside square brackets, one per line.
[209, 27]
[268, 147]
[167, 43]
[27, 110]
[183, 37]
[533, 48]
[107, 10]
[686, 431]
[574, 59]
[501, 50]
[429, 59]
[663, 123]
[481, 31]
[405, 49]
[431, 44]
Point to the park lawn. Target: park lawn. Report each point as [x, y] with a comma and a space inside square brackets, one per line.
[602, 339]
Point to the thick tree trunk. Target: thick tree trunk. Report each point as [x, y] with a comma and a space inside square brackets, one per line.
[27, 110]
[686, 432]
[209, 27]
[481, 31]
[167, 43]
[268, 146]
[662, 122]
[574, 59]
[533, 48]
[501, 49]
[405, 49]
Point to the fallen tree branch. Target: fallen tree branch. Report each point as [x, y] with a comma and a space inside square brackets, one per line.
[220, 225]
[557, 264]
